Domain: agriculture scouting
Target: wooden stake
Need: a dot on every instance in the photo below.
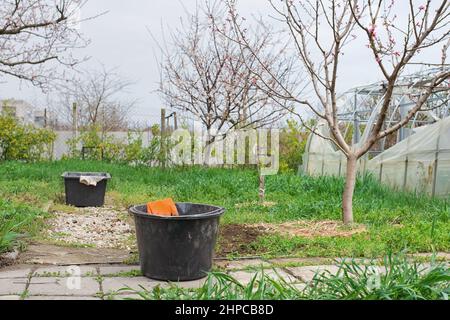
(45, 118)
(163, 138)
(175, 121)
(74, 119)
(262, 188)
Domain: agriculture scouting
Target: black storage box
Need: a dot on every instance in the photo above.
(81, 195)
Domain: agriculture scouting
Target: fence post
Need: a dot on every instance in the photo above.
(381, 169)
(340, 165)
(175, 121)
(45, 118)
(405, 178)
(74, 119)
(262, 188)
(163, 138)
(436, 160)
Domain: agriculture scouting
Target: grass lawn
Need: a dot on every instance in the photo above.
(394, 220)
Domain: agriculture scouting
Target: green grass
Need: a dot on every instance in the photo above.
(16, 222)
(398, 279)
(394, 220)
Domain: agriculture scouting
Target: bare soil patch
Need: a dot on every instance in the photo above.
(238, 239)
(312, 229)
(8, 258)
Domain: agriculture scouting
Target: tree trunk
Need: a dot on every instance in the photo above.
(347, 197)
(210, 139)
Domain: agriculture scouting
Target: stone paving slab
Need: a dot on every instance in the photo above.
(300, 261)
(190, 284)
(15, 273)
(306, 274)
(14, 286)
(241, 264)
(125, 296)
(57, 255)
(117, 269)
(59, 287)
(48, 282)
(65, 271)
(113, 284)
(245, 277)
(300, 286)
(62, 298)
(4, 298)
(440, 255)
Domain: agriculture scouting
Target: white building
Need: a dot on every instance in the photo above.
(23, 111)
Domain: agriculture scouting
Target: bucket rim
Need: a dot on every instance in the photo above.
(77, 174)
(217, 212)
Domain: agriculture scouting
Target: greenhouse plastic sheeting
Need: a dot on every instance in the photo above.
(420, 163)
(322, 158)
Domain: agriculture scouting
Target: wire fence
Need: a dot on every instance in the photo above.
(61, 146)
(68, 128)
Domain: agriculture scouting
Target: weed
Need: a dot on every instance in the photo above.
(399, 279)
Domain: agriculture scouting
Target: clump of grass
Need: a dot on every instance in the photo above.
(125, 274)
(16, 222)
(400, 280)
(221, 286)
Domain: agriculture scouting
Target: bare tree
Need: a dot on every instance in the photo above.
(204, 73)
(36, 36)
(320, 29)
(95, 94)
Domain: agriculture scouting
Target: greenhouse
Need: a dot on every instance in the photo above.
(415, 158)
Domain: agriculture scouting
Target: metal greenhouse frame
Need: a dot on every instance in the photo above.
(415, 158)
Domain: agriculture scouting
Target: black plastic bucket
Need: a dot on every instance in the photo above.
(177, 248)
(81, 195)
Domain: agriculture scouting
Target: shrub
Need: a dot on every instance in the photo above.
(24, 142)
(293, 140)
(106, 147)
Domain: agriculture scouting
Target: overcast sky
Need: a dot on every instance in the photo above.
(120, 39)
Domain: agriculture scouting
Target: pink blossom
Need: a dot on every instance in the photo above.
(378, 59)
(422, 7)
(396, 53)
(372, 30)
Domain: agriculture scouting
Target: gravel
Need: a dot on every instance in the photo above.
(104, 227)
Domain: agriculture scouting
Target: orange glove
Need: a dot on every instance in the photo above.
(165, 208)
